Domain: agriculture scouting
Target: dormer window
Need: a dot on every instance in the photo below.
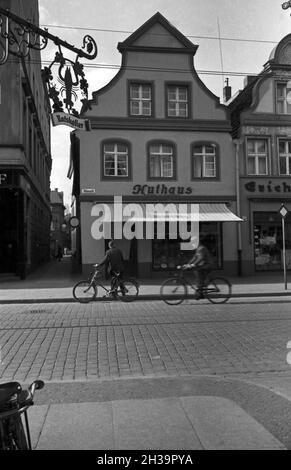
(283, 98)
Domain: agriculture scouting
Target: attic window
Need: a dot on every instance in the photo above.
(177, 101)
(283, 97)
(140, 99)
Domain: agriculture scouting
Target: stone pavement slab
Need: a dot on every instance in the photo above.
(178, 423)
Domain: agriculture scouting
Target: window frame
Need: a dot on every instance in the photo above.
(268, 166)
(176, 84)
(102, 160)
(288, 156)
(284, 101)
(174, 161)
(152, 101)
(217, 161)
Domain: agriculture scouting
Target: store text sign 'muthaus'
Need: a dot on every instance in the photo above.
(269, 187)
(160, 190)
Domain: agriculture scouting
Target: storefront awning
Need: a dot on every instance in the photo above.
(211, 212)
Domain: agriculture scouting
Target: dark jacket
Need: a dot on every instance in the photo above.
(201, 258)
(113, 259)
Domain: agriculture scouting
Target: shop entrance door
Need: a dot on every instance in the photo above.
(8, 231)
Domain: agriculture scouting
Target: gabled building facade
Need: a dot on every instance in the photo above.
(158, 136)
(261, 121)
(58, 233)
(25, 159)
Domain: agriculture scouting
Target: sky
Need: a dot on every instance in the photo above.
(235, 38)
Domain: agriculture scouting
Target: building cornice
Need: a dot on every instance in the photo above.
(152, 124)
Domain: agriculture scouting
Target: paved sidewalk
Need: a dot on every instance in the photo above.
(54, 283)
(180, 423)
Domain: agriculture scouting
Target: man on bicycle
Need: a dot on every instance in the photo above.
(113, 259)
(201, 263)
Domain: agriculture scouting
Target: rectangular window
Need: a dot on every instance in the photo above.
(268, 241)
(257, 157)
(204, 161)
(140, 99)
(177, 101)
(167, 253)
(161, 163)
(283, 98)
(115, 159)
(285, 157)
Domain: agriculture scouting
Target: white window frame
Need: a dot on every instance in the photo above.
(161, 156)
(283, 99)
(256, 156)
(177, 101)
(286, 155)
(115, 153)
(203, 157)
(141, 100)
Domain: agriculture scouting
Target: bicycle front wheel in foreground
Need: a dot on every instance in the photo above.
(173, 291)
(84, 291)
(129, 291)
(218, 290)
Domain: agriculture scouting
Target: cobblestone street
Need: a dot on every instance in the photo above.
(59, 342)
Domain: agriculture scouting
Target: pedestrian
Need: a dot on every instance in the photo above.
(114, 261)
(59, 253)
(202, 264)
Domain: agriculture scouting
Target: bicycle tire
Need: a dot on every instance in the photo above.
(131, 290)
(19, 436)
(218, 290)
(84, 291)
(173, 291)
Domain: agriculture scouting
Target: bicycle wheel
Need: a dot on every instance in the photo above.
(19, 436)
(84, 291)
(218, 290)
(129, 291)
(173, 291)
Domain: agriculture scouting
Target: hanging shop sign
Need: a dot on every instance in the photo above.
(66, 119)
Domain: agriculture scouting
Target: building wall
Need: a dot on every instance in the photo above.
(25, 152)
(145, 61)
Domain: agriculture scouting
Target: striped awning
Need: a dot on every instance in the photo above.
(208, 212)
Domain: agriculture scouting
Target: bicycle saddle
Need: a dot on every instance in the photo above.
(7, 390)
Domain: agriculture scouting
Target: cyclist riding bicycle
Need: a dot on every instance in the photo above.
(201, 263)
(114, 261)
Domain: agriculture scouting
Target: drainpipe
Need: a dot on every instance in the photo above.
(237, 143)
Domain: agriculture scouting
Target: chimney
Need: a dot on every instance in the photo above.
(226, 91)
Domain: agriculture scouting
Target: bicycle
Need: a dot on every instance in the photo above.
(14, 402)
(175, 289)
(125, 290)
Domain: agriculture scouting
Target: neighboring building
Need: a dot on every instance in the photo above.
(58, 232)
(261, 120)
(25, 158)
(158, 135)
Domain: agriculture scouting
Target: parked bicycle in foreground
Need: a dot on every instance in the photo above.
(176, 289)
(126, 289)
(14, 403)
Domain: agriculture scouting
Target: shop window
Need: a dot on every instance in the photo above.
(257, 156)
(285, 157)
(167, 253)
(161, 161)
(116, 160)
(177, 101)
(204, 161)
(268, 247)
(283, 93)
(140, 99)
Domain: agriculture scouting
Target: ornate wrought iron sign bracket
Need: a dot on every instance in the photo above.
(18, 36)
